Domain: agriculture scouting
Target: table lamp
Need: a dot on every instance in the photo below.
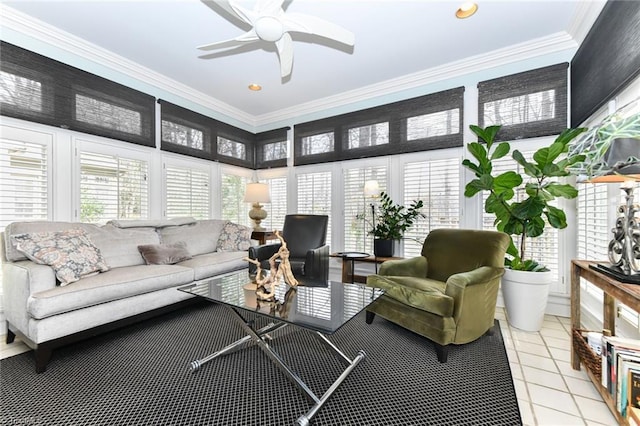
(257, 193)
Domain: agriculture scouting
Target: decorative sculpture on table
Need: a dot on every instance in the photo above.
(266, 285)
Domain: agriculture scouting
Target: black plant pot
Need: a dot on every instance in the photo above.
(383, 248)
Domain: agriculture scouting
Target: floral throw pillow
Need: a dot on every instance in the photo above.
(70, 253)
(234, 237)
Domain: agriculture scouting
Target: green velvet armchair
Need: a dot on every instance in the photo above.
(448, 294)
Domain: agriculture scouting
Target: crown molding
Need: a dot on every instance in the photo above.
(585, 16)
(50, 35)
(43, 32)
(545, 45)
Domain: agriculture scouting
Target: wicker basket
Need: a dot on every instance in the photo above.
(587, 356)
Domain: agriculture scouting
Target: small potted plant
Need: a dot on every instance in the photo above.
(391, 220)
(525, 285)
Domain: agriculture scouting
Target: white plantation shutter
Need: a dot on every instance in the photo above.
(112, 187)
(277, 208)
(314, 195)
(233, 206)
(187, 193)
(544, 248)
(594, 229)
(24, 174)
(356, 232)
(437, 184)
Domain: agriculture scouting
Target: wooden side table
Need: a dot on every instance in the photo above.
(263, 236)
(348, 264)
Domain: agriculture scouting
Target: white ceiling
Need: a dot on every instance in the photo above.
(397, 40)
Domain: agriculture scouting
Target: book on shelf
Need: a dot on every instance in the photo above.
(621, 372)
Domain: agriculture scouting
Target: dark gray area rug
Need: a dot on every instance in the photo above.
(139, 375)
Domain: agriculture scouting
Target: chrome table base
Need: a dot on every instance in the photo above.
(261, 338)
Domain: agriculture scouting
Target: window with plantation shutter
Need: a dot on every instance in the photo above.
(187, 193)
(356, 231)
(24, 180)
(232, 193)
(277, 208)
(544, 248)
(112, 187)
(593, 227)
(314, 195)
(437, 184)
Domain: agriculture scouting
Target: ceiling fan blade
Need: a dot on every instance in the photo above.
(232, 8)
(285, 53)
(298, 22)
(247, 37)
(269, 7)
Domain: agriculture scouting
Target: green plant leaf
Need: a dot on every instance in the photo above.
(530, 169)
(471, 166)
(556, 217)
(528, 209)
(506, 181)
(501, 150)
(562, 190)
(535, 227)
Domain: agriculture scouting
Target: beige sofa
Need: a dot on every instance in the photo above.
(47, 313)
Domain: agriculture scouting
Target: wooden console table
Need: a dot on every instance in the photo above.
(348, 264)
(629, 294)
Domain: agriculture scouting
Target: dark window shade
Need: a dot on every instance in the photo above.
(396, 115)
(180, 127)
(37, 88)
(238, 136)
(276, 141)
(607, 60)
(528, 104)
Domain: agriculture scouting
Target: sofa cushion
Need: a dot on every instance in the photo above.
(234, 237)
(115, 284)
(201, 237)
(120, 246)
(164, 254)
(12, 254)
(212, 264)
(70, 253)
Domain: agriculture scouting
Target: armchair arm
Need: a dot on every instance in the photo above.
(480, 275)
(475, 293)
(429, 299)
(316, 265)
(261, 253)
(412, 267)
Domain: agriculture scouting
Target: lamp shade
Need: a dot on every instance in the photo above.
(257, 193)
(371, 189)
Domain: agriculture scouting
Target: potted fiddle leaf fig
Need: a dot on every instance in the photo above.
(522, 206)
(391, 221)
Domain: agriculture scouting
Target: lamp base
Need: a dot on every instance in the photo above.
(617, 273)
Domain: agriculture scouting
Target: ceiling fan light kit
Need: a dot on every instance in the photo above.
(466, 10)
(270, 23)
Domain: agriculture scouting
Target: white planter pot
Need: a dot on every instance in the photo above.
(525, 297)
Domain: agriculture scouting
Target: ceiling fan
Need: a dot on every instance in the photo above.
(270, 23)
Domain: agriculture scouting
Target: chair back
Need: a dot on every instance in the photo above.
(450, 251)
(304, 232)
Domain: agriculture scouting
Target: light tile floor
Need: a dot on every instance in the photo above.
(549, 391)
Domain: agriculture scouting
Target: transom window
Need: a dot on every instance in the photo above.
(318, 144)
(180, 134)
(230, 148)
(275, 151)
(20, 91)
(371, 135)
(435, 124)
(521, 109)
(104, 114)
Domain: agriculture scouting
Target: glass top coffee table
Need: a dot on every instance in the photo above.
(320, 307)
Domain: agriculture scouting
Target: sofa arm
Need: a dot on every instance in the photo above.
(19, 281)
(412, 267)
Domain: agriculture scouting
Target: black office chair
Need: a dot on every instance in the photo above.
(306, 237)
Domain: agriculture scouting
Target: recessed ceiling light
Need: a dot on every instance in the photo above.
(467, 9)
(255, 87)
